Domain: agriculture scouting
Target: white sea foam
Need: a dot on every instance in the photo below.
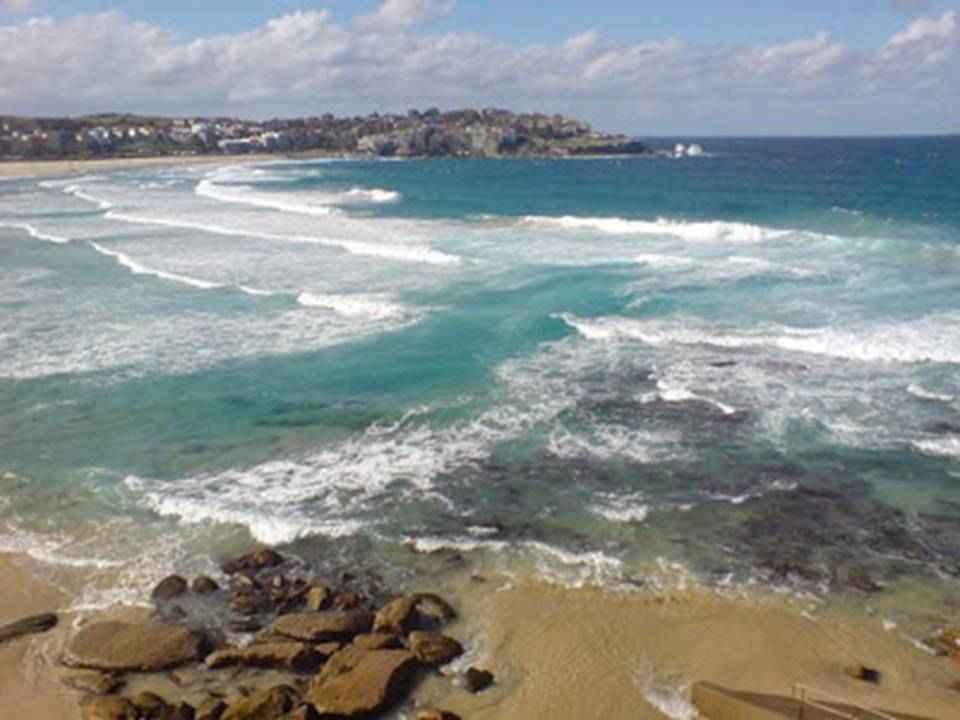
(79, 192)
(35, 233)
(371, 195)
(688, 230)
(934, 338)
(139, 269)
(246, 195)
(630, 508)
(939, 447)
(375, 307)
(921, 392)
(400, 252)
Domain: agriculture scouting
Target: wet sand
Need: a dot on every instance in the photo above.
(28, 690)
(599, 654)
(36, 168)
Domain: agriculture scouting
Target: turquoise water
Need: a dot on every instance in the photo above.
(742, 364)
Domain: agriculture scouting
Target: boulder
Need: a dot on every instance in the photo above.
(433, 606)
(210, 709)
(108, 708)
(268, 705)
(119, 647)
(358, 682)
(476, 680)
(93, 682)
(257, 560)
(347, 600)
(169, 588)
(317, 596)
(292, 656)
(204, 585)
(28, 626)
(863, 674)
(251, 604)
(397, 616)
(322, 626)
(405, 613)
(432, 648)
(376, 641)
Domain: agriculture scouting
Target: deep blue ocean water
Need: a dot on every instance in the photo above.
(744, 364)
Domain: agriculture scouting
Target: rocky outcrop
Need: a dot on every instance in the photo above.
(108, 708)
(322, 626)
(357, 682)
(291, 656)
(116, 646)
(169, 588)
(475, 680)
(253, 561)
(269, 705)
(432, 648)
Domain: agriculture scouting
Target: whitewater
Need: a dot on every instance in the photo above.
(570, 366)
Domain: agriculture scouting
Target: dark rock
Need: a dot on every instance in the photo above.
(28, 626)
(293, 656)
(204, 585)
(94, 683)
(317, 596)
(169, 588)
(108, 708)
(347, 600)
(253, 561)
(150, 706)
(859, 579)
(304, 712)
(944, 428)
(432, 648)
(322, 626)
(251, 604)
(116, 646)
(241, 582)
(863, 673)
(476, 680)
(210, 709)
(358, 682)
(269, 705)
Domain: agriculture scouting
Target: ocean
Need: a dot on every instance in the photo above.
(736, 369)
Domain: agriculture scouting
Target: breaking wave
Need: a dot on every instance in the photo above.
(35, 233)
(687, 230)
(139, 269)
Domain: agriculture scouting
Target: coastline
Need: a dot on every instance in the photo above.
(568, 652)
(41, 168)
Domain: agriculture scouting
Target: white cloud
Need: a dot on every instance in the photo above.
(305, 62)
(406, 13)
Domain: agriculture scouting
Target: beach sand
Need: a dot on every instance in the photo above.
(35, 168)
(564, 653)
(28, 690)
(588, 653)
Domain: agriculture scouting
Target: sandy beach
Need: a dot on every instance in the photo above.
(37, 168)
(579, 653)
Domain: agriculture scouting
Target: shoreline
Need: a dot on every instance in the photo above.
(25, 169)
(564, 652)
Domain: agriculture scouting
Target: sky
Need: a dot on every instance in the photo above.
(645, 67)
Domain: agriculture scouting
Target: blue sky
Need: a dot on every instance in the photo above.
(641, 66)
